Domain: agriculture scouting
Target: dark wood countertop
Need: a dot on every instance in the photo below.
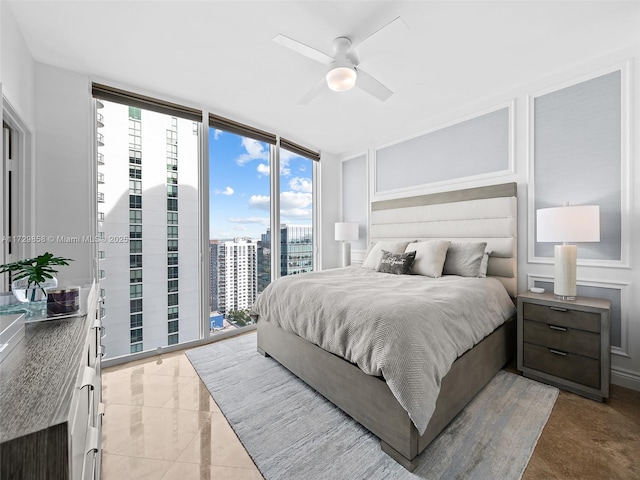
(37, 379)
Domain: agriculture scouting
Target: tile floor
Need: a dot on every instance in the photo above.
(161, 423)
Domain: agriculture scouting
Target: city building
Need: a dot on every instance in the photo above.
(296, 252)
(147, 228)
(234, 274)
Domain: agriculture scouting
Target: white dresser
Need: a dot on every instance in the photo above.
(50, 399)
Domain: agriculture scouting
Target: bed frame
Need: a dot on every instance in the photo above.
(477, 214)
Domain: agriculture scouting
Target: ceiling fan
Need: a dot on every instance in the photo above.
(343, 73)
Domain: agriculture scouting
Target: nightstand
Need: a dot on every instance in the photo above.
(565, 343)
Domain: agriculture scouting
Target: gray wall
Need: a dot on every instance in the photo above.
(355, 197)
(577, 157)
(65, 169)
(473, 147)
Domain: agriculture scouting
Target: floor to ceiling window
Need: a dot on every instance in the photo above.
(296, 213)
(148, 206)
(246, 251)
(150, 197)
(239, 219)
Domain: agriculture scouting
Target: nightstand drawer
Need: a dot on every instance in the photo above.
(582, 370)
(563, 317)
(562, 338)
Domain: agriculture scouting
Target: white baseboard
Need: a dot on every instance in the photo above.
(625, 378)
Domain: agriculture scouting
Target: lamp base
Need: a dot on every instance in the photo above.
(564, 284)
(346, 254)
(564, 297)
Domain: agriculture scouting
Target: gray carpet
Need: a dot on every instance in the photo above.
(293, 433)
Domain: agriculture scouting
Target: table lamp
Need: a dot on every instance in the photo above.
(567, 224)
(346, 232)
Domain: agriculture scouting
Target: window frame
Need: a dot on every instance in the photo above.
(201, 125)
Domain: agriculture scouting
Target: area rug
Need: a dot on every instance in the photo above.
(292, 432)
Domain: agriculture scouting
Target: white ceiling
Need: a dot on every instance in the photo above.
(219, 55)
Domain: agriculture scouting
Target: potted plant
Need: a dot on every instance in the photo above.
(31, 276)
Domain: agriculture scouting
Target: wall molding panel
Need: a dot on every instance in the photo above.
(472, 148)
(579, 151)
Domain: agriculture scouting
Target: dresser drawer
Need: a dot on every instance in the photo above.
(562, 338)
(563, 317)
(579, 369)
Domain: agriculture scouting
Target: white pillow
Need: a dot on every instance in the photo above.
(430, 257)
(374, 255)
(464, 259)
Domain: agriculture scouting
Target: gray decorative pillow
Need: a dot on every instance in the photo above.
(464, 259)
(372, 260)
(430, 256)
(396, 263)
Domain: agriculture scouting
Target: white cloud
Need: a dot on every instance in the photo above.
(263, 169)
(216, 133)
(260, 201)
(285, 171)
(254, 151)
(227, 191)
(300, 184)
(286, 155)
(297, 204)
(296, 213)
(244, 220)
(295, 200)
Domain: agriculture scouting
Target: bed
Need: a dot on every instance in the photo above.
(383, 400)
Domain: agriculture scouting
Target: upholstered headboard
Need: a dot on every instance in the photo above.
(483, 214)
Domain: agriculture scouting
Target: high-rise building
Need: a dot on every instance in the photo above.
(147, 228)
(234, 274)
(296, 252)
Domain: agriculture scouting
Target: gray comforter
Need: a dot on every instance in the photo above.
(408, 329)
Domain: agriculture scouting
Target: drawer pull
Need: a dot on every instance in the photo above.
(558, 309)
(88, 378)
(559, 329)
(100, 328)
(93, 440)
(558, 352)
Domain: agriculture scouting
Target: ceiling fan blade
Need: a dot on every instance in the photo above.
(395, 23)
(303, 49)
(370, 85)
(314, 92)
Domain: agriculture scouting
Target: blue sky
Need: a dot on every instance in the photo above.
(239, 187)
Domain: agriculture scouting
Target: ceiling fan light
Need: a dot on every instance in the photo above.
(341, 79)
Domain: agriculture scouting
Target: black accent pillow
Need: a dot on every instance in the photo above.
(396, 263)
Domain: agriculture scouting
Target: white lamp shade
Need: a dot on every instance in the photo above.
(341, 79)
(569, 224)
(346, 231)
